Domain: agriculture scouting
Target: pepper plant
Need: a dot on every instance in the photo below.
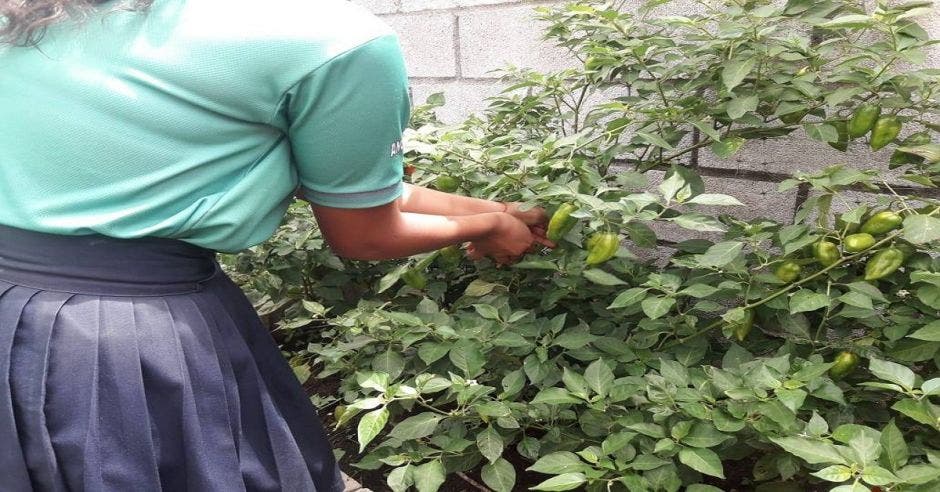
(754, 354)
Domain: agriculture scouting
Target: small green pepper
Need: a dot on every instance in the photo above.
(826, 252)
(858, 242)
(884, 263)
(882, 222)
(447, 184)
(886, 129)
(561, 222)
(788, 271)
(843, 364)
(602, 246)
(863, 120)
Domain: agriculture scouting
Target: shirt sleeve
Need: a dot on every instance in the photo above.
(346, 120)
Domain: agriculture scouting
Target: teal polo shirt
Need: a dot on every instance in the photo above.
(199, 119)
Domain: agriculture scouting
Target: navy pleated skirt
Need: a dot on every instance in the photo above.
(137, 365)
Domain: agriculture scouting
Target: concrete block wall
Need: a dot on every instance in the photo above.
(454, 46)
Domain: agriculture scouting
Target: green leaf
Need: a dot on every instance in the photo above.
(698, 222)
(490, 444)
(700, 487)
(929, 295)
(674, 372)
(856, 299)
(565, 481)
(851, 21)
(721, 254)
(429, 477)
(921, 229)
(401, 478)
(892, 371)
(628, 297)
(557, 463)
(430, 352)
(812, 451)
(416, 427)
(917, 410)
(555, 396)
(735, 71)
(704, 435)
(370, 426)
(389, 362)
(702, 460)
(657, 307)
(468, 357)
(911, 350)
(601, 277)
(822, 132)
(806, 300)
(698, 291)
(817, 425)
(930, 332)
(599, 377)
(654, 140)
(919, 474)
(931, 387)
(574, 339)
(728, 147)
(715, 199)
(487, 311)
(876, 475)
(641, 234)
(834, 473)
(740, 106)
(893, 446)
(499, 476)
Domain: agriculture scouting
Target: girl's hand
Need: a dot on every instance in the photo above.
(508, 242)
(533, 217)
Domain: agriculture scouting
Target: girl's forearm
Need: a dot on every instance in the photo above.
(413, 233)
(420, 200)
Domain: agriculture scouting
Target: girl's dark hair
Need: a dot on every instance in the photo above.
(23, 22)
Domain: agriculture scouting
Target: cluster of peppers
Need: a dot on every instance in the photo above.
(601, 246)
(826, 253)
(880, 265)
(883, 128)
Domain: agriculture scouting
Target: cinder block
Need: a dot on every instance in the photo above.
(414, 5)
(351, 485)
(491, 39)
(379, 6)
(791, 154)
(462, 97)
(760, 198)
(428, 43)
(931, 23)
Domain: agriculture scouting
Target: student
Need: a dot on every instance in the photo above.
(139, 138)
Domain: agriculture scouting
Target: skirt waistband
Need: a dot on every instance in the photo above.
(101, 265)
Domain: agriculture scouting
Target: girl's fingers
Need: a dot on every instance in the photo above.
(544, 242)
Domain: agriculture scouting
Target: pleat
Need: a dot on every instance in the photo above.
(203, 374)
(12, 461)
(72, 393)
(293, 427)
(28, 375)
(258, 456)
(169, 398)
(126, 443)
